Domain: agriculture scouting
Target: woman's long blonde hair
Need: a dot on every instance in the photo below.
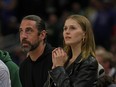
(88, 44)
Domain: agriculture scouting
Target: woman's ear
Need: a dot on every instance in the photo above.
(84, 35)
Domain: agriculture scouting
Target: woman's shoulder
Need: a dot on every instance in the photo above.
(91, 60)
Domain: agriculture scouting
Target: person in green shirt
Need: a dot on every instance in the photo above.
(13, 68)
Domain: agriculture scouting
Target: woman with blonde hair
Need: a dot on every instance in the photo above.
(75, 65)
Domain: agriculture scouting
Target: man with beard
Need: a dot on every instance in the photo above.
(34, 69)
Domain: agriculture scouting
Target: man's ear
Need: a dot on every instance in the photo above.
(43, 34)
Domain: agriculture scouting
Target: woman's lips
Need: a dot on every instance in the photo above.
(67, 37)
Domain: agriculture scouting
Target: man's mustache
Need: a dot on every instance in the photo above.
(25, 41)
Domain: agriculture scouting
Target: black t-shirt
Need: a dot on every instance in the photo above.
(34, 73)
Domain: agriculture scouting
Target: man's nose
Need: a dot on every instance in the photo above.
(23, 35)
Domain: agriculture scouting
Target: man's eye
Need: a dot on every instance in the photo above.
(29, 31)
(20, 30)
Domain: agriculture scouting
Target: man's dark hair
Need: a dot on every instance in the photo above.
(40, 24)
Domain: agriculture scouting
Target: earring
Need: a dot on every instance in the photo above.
(83, 39)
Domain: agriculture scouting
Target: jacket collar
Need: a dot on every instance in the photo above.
(78, 59)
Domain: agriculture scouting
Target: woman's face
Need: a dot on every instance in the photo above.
(73, 33)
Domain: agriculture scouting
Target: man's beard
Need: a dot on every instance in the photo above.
(30, 47)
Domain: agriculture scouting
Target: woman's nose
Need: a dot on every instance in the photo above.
(67, 31)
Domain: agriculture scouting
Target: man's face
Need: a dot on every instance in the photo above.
(29, 37)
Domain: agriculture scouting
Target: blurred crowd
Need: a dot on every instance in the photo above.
(101, 13)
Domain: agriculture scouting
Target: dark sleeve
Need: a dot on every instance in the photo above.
(85, 76)
(21, 74)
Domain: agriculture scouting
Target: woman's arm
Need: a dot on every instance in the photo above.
(85, 76)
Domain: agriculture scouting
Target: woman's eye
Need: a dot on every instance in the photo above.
(72, 28)
(64, 28)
